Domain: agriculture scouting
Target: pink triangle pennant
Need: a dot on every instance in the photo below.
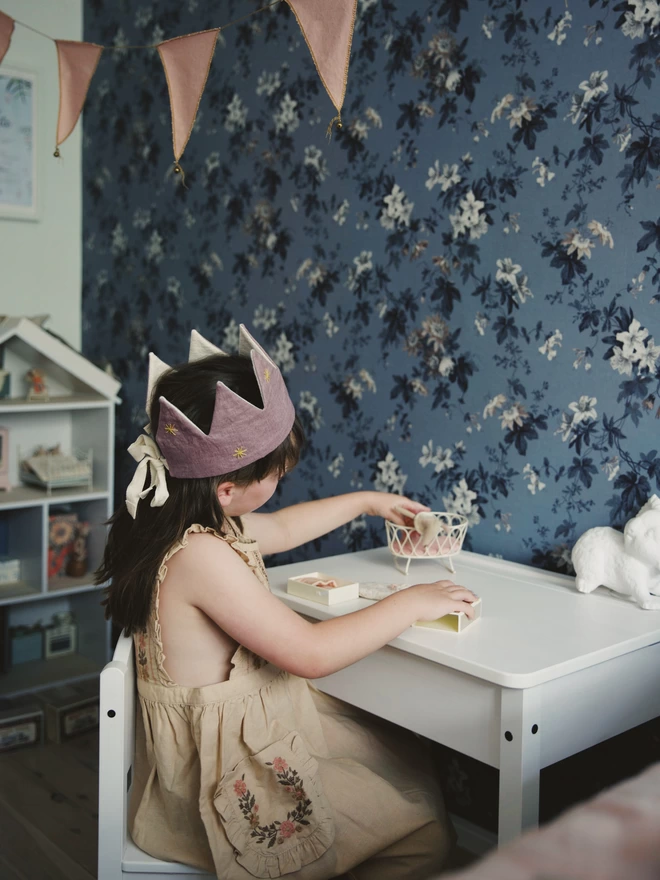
(6, 30)
(327, 26)
(77, 63)
(186, 61)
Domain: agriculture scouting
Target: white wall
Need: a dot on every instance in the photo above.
(41, 261)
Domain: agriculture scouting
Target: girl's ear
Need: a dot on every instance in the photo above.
(225, 493)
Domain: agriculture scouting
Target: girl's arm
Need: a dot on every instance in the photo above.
(295, 525)
(220, 584)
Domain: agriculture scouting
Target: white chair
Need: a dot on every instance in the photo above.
(119, 858)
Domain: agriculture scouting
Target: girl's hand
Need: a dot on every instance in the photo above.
(431, 601)
(383, 503)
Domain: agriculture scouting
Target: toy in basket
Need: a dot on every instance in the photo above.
(434, 534)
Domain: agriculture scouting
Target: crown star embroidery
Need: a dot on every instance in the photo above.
(267, 375)
(171, 429)
(240, 452)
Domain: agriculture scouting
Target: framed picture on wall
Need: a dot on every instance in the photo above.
(18, 144)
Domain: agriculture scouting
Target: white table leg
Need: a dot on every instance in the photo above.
(520, 754)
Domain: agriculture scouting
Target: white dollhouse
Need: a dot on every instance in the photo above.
(75, 416)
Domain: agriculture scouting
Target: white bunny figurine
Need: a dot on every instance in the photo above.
(627, 563)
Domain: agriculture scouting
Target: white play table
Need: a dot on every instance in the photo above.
(546, 672)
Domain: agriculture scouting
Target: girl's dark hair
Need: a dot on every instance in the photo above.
(135, 548)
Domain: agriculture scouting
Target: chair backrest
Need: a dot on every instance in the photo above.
(116, 748)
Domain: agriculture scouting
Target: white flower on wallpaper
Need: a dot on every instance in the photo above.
(493, 405)
(502, 105)
(551, 344)
(331, 328)
(341, 213)
(470, 219)
(154, 249)
(282, 354)
(264, 318)
(581, 411)
(481, 322)
(644, 13)
(594, 86)
(534, 482)
(511, 273)
(543, 172)
(119, 240)
(231, 336)
(397, 209)
(268, 83)
(521, 113)
(637, 350)
(336, 465)
(462, 502)
(445, 179)
(286, 119)
(441, 459)
(513, 417)
(559, 32)
(314, 159)
(577, 243)
(236, 114)
(389, 477)
(309, 404)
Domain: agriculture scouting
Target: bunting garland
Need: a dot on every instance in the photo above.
(326, 25)
(328, 32)
(6, 30)
(186, 61)
(77, 63)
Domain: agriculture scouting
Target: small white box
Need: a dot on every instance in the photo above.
(343, 592)
(10, 570)
(455, 621)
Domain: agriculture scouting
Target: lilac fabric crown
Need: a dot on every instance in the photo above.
(241, 433)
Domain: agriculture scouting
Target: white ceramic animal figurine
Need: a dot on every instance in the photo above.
(627, 563)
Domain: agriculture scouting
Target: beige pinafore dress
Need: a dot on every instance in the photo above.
(262, 775)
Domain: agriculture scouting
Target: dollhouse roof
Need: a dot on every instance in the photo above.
(59, 353)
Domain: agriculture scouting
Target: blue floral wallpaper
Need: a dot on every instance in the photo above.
(461, 287)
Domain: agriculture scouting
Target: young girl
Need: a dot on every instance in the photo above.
(242, 767)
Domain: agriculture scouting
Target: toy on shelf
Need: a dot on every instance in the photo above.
(77, 565)
(4, 460)
(61, 533)
(627, 563)
(52, 469)
(38, 389)
(433, 535)
(10, 570)
(60, 636)
(5, 384)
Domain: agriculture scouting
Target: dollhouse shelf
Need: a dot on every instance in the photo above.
(44, 673)
(31, 496)
(78, 415)
(67, 402)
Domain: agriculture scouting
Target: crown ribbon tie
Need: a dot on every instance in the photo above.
(150, 461)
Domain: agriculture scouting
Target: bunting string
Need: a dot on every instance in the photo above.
(326, 25)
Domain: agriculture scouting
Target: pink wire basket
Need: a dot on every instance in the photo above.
(406, 543)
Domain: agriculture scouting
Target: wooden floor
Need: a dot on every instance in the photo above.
(48, 812)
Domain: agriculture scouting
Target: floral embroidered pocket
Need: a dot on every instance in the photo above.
(274, 811)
